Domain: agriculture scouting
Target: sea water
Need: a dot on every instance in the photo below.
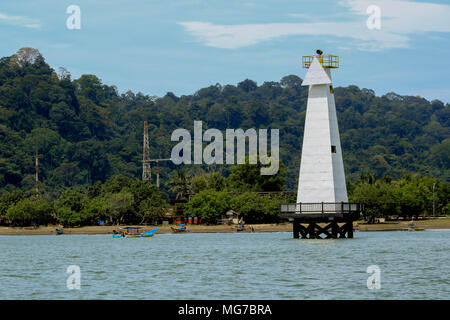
(412, 265)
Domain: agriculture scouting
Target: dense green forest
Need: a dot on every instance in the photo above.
(86, 132)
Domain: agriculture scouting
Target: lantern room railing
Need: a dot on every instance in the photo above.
(326, 60)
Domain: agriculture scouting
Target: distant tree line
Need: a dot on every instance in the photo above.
(256, 198)
(120, 200)
(87, 135)
(410, 196)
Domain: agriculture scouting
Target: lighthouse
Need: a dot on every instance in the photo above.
(321, 176)
(322, 208)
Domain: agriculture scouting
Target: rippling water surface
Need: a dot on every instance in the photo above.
(414, 265)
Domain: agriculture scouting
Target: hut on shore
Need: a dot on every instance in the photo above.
(230, 217)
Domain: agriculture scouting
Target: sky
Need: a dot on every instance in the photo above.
(154, 47)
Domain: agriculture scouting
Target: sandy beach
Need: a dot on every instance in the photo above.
(438, 223)
(45, 230)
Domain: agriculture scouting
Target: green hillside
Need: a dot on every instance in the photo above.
(86, 131)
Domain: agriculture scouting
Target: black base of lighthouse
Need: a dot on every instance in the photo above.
(313, 230)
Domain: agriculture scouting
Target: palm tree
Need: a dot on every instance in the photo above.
(181, 184)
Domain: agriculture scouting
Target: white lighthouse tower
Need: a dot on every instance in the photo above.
(321, 177)
(322, 207)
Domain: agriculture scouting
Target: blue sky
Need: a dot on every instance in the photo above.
(181, 46)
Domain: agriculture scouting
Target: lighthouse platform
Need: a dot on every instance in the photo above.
(322, 220)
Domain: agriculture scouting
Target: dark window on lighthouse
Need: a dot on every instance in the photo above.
(333, 149)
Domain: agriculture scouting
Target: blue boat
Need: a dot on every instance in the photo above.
(182, 228)
(134, 232)
(148, 233)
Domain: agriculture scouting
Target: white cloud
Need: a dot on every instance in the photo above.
(236, 36)
(20, 21)
(344, 48)
(399, 21)
(406, 16)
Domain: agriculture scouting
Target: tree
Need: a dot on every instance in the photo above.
(255, 208)
(26, 56)
(208, 204)
(440, 157)
(91, 87)
(119, 206)
(63, 74)
(149, 204)
(116, 183)
(27, 211)
(291, 81)
(214, 181)
(8, 199)
(68, 217)
(248, 177)
(70, 207)
(152, 208)
(247, 85)
(180, 184)
(380, 199)
(95, 210)
(21, 212)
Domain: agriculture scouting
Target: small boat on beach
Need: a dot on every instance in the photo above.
(134, 232)
(412, 227)
(59, 231)
(182, 228)
(241, 225)
(148, 233)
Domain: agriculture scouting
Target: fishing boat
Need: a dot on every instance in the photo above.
(241, 227)
(182, 228)
(118, 235)
(134, 232)
(148, 233)
(412, 226)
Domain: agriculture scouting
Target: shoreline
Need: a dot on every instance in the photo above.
(435, 223)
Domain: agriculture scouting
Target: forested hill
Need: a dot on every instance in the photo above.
(86, 131)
